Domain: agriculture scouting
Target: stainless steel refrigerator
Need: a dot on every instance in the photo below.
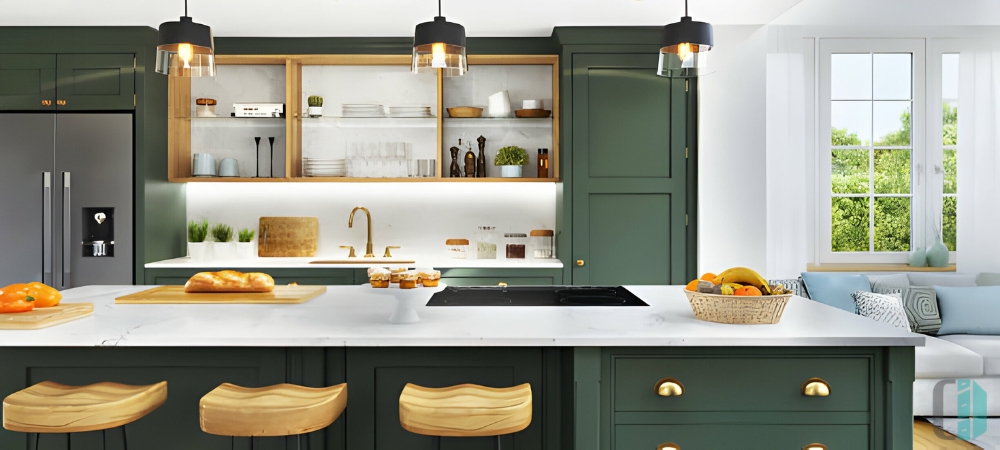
(66, 199)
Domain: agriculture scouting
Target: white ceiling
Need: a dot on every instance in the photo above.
(385, 17)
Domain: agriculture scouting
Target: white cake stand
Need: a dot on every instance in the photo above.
(407, 300)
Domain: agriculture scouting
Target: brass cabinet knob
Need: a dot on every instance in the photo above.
(669, 387)
(579, 262)
(46, 102)
(815, 446)
(387, 248)
(668, 446)
(816, 387)
(502, 284)
(351, 255)
(61, 102)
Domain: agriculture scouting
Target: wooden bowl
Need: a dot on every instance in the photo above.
(465, 112)
(532, 113)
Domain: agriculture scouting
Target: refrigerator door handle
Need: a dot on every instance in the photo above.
(67, 232)
(47, 228)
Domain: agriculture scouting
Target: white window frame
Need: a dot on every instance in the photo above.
(936, 49)
(917, 47)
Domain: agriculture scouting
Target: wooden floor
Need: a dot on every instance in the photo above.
(924, 438)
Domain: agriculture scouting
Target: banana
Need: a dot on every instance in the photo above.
(744, 276)
(726, 289)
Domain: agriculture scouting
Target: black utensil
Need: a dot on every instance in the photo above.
(270, 160)
(256, 155)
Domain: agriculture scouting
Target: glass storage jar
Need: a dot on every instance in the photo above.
(515, 245)
(458, 248)
(544, 243)
(486, 243)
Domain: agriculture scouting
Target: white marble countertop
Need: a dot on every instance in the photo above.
(353, 316)
(303, 263)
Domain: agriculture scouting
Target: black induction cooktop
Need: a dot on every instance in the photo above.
(535, 296)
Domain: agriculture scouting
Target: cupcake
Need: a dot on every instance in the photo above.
(396, 274)
(408, 280)
(378, 277)
(429, 277)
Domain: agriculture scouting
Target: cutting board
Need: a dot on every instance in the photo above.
(45, 317)
(176, 294)
(288, 236)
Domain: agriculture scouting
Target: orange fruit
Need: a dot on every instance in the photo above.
(709, 276)
(748, 291)
(692, 286)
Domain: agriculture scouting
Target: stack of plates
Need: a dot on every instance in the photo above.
(362, 110)
(410, 111)
(315, 167)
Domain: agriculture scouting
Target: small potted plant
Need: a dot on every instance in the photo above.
(245, 248)
(315, 106)
(198, 249)
(224, 247)
(511, 160)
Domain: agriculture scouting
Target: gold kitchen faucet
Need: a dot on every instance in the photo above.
(350, 224)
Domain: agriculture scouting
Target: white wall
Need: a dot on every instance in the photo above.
(731, 152)
(881, 13)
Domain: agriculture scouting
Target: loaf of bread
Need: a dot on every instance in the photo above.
(229, 281)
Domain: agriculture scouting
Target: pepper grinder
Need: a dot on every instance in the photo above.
(481, 166)
(470, 161)
(270, 159)
(256, 155)
(456, 172)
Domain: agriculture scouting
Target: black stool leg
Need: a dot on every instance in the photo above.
(37, 436)
(251, 442)
(104, 439)
(437, 442)
(69, 441)
(498, 442)
(124, 437)
(232, 443)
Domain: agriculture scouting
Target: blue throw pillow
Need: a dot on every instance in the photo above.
(835, 289)
(969, 310)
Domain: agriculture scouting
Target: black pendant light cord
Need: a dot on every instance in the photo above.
(186, 7)
(439, 7)
(685, 6)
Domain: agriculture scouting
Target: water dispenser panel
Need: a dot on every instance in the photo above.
(98, 232)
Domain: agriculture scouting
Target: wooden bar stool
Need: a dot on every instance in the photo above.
(49, 407)
(278, 410)
(465, 410)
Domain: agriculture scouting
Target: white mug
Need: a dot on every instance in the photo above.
(533, 104)
(204, 165)
(499, 105)
(229, 167)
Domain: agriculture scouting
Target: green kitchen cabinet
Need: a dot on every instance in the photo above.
(315, 277)
(95, 82)
(345, 277)
(493, 277)
(27, 82)
(743, 437)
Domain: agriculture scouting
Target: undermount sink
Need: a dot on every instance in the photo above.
(363, 261)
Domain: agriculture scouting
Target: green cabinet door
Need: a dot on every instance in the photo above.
(27, 82)
(95, 82)
(629, 172)
(743, 437)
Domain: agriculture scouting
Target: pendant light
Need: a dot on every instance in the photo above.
(186, 48)
(683, 48)
(439, 45)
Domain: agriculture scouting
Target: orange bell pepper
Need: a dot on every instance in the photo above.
(15, 298)
(44, 296)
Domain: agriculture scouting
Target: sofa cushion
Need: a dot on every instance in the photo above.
(835, 289)
(988, 279)
(986, 346)
(921, 307)
(882, 308)
(941, 279)
(969, 310)
(939, 358)
(889, 284)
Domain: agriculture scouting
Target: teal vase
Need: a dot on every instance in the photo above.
(937, 255)
(918, 258)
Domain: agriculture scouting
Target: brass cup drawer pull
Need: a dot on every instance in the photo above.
(668, 446)
(815, 446)
(816, 387)
(669, 387)
(61, 102)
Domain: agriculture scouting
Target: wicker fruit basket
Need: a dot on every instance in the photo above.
(734, 309)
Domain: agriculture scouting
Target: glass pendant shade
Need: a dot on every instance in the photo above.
(683, 49)
(186, 49)
(440, 45)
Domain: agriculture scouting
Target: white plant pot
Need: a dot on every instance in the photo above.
(224, 251)
(315, 111)
(246, 250)
(200, 251)
(511, 171)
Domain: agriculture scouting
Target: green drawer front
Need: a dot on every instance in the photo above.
(741, 384)
(742, 437)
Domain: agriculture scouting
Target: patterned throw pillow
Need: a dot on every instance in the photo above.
(795, 284)
(882, 308)
(921, 305)
(889, 284)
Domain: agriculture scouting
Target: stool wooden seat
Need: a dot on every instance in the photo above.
(465, 410)
(278, 410)
(49, 407)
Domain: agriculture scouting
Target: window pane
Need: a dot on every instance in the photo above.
(950, 171)
(892, 171)
(949, 76)
(949, 123)
(949, 226)
(850, 76)
(893, 76)
(851, 122)
(892, 123)
(850, 224)
(892, 224)
(850, 171)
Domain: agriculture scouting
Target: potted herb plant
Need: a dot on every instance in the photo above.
(198, 249)
(315, 105)
(224, 247)
(511, 160)
(245, 248)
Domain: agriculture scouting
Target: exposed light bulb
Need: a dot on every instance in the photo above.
(438, 56)
(184, 51)
(683, 50)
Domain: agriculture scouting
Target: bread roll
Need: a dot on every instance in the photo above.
(229, 281)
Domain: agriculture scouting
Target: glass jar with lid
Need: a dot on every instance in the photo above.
(516, 245)
(486, 243)
(544, 243)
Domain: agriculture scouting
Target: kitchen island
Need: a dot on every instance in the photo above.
(592, 369)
